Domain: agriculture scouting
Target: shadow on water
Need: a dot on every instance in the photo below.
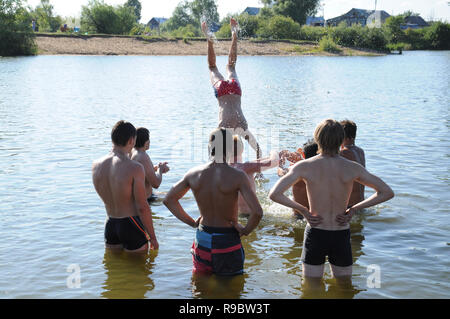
(217, 287)
(127, 275)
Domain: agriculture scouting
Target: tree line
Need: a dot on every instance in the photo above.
(279, 19)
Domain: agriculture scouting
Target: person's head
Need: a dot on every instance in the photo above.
(123, 134)
(310, 149)
(329, 136)
(142, 138)
(349, 129)
(220, 145)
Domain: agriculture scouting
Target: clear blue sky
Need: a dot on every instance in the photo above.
(435, 9)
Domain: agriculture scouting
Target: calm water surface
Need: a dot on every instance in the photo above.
(56, 114)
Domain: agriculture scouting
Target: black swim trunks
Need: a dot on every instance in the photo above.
(128, 232)
(335, 244)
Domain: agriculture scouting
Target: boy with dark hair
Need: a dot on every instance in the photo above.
(153, 174)
(299, 193)
(353, 153)
(119, 182)
(217, 246)
(329, 180)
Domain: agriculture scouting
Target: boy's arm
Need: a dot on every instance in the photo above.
(152, 175)
(142, 206)
(261, 164)
(277, 193)
(383, 193)
(172, 202)
(250, 198)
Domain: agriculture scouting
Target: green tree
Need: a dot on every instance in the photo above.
(393, 28)
(204, 10)
(298, 10)
(16, 37)
(137, 8)
(438, 36)
(181, 17)
(99, 17)
(248, 25)
(279, 27)
(45, 18)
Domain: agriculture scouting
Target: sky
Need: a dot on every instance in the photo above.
(428, 9)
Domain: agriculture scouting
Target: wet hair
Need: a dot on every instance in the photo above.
(329, 136)
(142, 136)
(310, 149)
(349, 128)
(122, 132)
(221, 145)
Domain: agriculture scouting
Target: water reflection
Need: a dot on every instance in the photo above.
(218, 287)
(313, 288)
(127, 275)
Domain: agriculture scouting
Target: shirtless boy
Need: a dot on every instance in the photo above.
(153, 175)
(299, 189)
(354, 153)
(217, 246)
(329, 180)
(120, 183)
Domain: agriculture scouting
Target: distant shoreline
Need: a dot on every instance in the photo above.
(62, 44)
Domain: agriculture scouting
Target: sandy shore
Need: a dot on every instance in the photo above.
(105, 45)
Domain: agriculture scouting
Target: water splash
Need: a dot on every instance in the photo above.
(236, 29)
(209, 34)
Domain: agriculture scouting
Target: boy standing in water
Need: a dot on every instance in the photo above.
(120, 183)
(329, 180)
(299, 189)
(216, 186)
(228, 92)
(354, 153)
(153, 175)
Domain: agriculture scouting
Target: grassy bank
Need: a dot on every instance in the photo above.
(103, 44)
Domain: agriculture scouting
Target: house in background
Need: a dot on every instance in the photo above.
(355, 16)
(414, 22)
(155, 23)
(315, 21)
(253, 11)
(377, 18)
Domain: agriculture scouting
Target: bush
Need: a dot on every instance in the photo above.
(358, 36)
(99, 17)
(188, 31)
(416, 39)
(279, 27)
(438, 36)
(393, 30)
(344, 35)
(376, 39)
(16, 37)
(312, 33)
(327, 44)
(396, 46)
(248, 25)
(224, 31)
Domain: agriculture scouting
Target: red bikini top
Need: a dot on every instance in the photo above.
(228, 87)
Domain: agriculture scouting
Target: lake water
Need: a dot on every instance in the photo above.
(56, 114)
